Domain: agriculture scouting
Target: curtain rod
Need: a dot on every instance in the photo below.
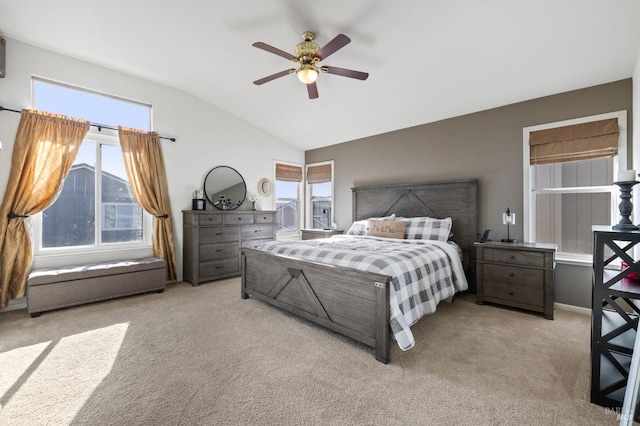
(99, 126)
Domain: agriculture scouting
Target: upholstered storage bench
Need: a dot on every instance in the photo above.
(49, 289)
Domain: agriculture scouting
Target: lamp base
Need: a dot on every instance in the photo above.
(506, 240)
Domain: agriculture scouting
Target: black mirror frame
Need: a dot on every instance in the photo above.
(227, 206)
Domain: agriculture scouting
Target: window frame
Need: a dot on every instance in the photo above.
(529, 199)
(308, 209)
(60, 256)
(301, 206)
(61, 253)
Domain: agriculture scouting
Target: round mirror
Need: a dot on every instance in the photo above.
(224, 187)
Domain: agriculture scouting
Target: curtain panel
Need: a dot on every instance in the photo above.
(319, 174)
(288, 173)
(145, 169)
(586, 141)
(44, 150)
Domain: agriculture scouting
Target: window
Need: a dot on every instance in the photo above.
(287, 195)
(568, 183)
(95, 209)
(320, 195)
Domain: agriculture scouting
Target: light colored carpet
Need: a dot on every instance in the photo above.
(203, 356)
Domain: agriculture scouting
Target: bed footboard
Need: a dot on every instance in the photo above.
(350, 302)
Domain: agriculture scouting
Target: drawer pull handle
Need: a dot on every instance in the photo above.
(511, 274)
(239, 218)
(512, 257)
(210, 219)
(219, 267)
(219, 250)
(510, 292)
(264, 217)
(258, 230)
(220, 233)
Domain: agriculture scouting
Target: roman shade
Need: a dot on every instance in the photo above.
(319, 174)
(288, 173)
(585, 141)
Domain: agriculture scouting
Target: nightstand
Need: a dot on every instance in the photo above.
(520, 275)
(314, 234)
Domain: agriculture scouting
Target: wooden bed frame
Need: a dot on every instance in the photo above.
(352, 302)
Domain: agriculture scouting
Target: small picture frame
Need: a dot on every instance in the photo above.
(198, 204)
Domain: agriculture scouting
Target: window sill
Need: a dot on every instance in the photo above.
(564, 259)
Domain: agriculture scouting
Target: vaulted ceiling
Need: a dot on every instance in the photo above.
(428, 60)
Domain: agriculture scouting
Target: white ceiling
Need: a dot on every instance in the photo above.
(428, 59)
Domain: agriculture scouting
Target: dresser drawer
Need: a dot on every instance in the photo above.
(215, 268)
(513, 293)
(238, 218)
(220, 234)
(516, 257)
(257, 231)
(255, 243)
(265, 217)
(218, 251)
(207, 219)
(513, 275)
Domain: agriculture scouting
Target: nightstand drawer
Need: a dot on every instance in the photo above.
(514, 275)
(255, 243)
(516, 257)
(513, 293)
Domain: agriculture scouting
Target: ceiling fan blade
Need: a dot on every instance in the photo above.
(333, 46)
(275, 50)
(273, 76)
(345, 72)
(312, 89)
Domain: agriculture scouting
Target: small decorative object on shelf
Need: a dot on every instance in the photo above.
(626, 184)
(508, 218)
(253, 200)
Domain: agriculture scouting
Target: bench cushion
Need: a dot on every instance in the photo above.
(82, 272)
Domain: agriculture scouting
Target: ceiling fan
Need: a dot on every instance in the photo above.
(307, 56)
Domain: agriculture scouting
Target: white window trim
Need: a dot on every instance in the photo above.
(300, 199)
(307, 201)
(60, 256)
(529, 205)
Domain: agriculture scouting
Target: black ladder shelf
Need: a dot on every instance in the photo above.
(615, 313)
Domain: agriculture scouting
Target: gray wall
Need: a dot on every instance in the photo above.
(487, 146)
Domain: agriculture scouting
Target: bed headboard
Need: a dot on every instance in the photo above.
(455, 199)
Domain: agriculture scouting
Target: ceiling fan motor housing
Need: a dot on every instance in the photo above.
(306, 50)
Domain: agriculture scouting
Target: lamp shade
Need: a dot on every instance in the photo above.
(307, 74)
(508, 218)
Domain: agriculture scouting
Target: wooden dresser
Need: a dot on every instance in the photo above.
(516, 274)
(212, 241)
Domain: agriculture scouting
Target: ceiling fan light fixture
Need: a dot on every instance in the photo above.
(307, 73)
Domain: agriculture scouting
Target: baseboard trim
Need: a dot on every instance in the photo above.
(573, 308)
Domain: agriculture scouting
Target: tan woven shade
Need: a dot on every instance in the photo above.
(288, 173)
(319, 174)
(586, 141)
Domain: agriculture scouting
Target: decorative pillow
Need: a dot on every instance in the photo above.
(427, 228)
(360, 227)
(385, 228)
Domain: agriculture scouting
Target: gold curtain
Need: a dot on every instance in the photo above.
(319, 174)
(45, 148)
(288, 173)
(586, 141)
(145, 169)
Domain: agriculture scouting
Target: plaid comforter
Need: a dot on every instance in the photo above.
(423, 272)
